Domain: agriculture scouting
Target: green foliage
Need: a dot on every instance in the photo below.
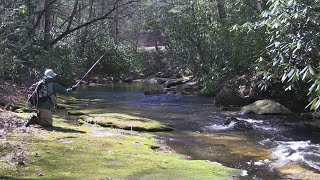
(60, 59)
(14, 42)
(211, 47)
(24, 57)
(292, 54)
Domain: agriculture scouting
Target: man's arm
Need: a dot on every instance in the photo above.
(60, 89)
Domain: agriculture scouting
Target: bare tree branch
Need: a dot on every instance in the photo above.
(36, 24)
(68, 19)
(72, 14)
(105, 16)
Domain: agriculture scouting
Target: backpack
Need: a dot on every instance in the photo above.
(38, 92)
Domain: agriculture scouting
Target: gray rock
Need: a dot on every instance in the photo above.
(264, 107)
(174, 82)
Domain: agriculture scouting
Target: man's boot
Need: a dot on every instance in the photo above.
(32, 120)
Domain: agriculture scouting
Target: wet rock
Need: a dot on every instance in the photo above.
(304, 126)
(306, 116)
(228, 97)
(316, 115)
(128, 79)
(173, 82)
(223, 108)
(190, 88)
(160, 80)
(172, 90)
(265, 107)
(238, 124)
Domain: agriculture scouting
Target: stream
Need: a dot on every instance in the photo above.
(199, 131)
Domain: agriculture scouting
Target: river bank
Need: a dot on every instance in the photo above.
(89, 151)
(190, 126)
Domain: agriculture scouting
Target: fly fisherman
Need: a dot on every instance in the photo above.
(47, 104)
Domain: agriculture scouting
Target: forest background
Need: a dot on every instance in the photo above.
(272, 46)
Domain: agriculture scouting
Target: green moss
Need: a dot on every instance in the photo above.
(118, 120)
(127, 122)
(24, 115)
(91, 152)
(6, 167)
(85, 112)
(65, 106)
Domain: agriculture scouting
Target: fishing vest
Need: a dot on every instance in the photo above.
(51, 93)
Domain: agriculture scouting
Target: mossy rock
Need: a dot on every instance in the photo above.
(126, 122)
(265, 107)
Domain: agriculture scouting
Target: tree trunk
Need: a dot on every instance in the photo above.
(47, 23)
(221, 11)
(116, 35)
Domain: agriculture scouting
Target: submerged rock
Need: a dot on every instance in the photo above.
(264, 107)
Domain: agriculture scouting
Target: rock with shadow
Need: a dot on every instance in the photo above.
(265, 106)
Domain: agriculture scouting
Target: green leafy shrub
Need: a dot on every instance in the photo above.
(292, 55)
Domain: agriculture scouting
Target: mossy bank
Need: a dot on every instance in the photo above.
(92, 152)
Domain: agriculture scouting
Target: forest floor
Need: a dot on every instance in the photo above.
(88, 151)
(12, 93)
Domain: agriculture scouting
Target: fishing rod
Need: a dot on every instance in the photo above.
(91, 68)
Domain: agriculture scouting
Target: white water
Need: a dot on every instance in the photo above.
(298, 152)
(260, 124)
(283, 152)
(256, 124)
(218, 127)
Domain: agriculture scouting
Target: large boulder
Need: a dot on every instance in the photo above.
(264, 107)
(228, 97)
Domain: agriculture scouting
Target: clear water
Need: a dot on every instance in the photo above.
(200, 133)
